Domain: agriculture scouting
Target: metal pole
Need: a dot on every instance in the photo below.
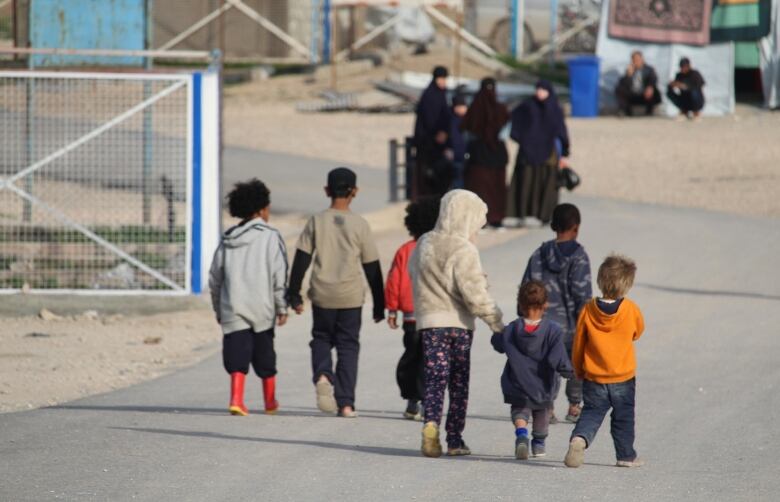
(553, 31)
(334, 47)
(315, 22)
(29, 143)
(393, 170)
(518, 28)
(456, 64)
(326, 32)
(147, 187)
(217, 61)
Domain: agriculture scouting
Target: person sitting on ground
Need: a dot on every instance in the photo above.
(420, 218)
(563, 267)
(431, 130)
(450, 290)
(248, 280)
(685, 91)
(639, 86)
(342, 247)
(603, 357)
(535, 355)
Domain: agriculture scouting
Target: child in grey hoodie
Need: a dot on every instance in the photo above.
(248, 285)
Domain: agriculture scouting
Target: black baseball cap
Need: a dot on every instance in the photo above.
(342, 178)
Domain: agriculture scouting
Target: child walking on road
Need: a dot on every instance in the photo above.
(535, 355)
(450, 289)
(420, 218)
(247, 282)
(340, 244)
(603, 356)
(563, 266)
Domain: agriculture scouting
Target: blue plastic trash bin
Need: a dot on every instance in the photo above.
(584, 86)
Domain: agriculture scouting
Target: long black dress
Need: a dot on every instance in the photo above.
(539, 128)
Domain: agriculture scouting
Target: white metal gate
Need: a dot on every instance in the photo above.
(95, 181)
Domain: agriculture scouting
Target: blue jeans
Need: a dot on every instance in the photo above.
(599, 398)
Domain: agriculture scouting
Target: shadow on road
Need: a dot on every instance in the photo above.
(708, 292)
(377, 450)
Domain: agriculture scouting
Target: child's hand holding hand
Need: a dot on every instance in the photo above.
(281, 319)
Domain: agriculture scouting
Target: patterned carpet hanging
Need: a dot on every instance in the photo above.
(661, 21)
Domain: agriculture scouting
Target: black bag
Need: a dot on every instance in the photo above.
(568, 178)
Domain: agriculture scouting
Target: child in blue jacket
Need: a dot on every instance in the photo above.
(535, 355)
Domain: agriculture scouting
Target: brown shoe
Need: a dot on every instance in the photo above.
(431, 446)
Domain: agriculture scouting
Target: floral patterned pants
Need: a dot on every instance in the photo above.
(447, 354)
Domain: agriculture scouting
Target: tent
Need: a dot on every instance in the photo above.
(714, 61)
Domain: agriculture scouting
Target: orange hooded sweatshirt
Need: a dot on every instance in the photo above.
(603, 349)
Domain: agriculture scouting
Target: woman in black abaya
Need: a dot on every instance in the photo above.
(538, 127)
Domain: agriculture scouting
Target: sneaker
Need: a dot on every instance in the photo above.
(553, 419)
(574, 413)
(413, 411)
(431, 447)
(458, 451)
(521, 448)
(325, 400)
(348, 413)
(537, 448)
(637, 462)
(576, 454)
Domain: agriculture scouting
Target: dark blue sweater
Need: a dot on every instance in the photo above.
(564, 268)
(533, 359)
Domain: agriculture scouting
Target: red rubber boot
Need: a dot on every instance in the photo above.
(237, 395)
(269, 393)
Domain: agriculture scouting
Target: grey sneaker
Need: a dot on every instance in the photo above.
(576, 454)
(325, 400)
(537, 448)
(574, 414)
(637, 462)
(413, 411)
(459, 451)
(521, 448)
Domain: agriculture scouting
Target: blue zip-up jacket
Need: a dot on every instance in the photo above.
(564, 268)
(533, 359)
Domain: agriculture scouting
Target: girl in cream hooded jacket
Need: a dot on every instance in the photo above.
(450, 291)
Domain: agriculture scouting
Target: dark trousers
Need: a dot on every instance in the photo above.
(339, 329)
(541, 422)
(626, 98)
(599, 398)
(687, 101)
(409, 373)
(447, 365)
(239, 348)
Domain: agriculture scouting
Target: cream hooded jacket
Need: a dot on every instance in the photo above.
(450, 288)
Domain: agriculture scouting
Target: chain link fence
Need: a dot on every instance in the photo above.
(93, 181)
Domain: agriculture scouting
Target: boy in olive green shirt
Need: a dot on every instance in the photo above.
(340, 244)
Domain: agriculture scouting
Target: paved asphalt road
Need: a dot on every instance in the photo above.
(707, 399)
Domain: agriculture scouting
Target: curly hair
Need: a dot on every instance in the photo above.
(248, 198)
(421, 216)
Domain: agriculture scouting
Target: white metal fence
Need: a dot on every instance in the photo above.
(95, 181)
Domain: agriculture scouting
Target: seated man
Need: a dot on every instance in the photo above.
(686, 90)
(638, 86)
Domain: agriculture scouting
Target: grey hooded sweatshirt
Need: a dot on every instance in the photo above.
(248, 278)
(449, 285)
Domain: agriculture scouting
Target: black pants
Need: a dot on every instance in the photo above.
(409, 373)
(339, 329)
(239, 348)
(626, 98)
(686, 101)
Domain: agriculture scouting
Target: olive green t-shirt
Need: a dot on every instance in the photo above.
(340, 242)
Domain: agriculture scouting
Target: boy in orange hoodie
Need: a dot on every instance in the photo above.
(420, 218)
(603, 357)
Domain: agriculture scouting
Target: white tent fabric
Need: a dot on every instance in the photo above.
(715, 62)
(770, 60)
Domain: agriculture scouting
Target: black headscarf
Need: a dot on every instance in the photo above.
(486, 116)
(537, 124)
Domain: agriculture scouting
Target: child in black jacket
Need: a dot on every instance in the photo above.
(535, 353)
